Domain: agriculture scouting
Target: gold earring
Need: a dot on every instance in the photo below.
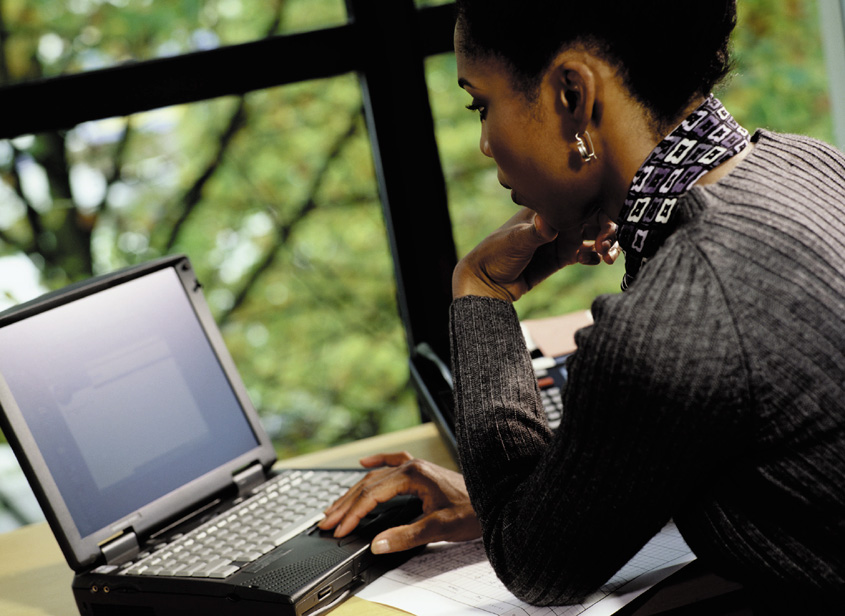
(585, 147)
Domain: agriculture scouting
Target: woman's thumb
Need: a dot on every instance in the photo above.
(545, 232)
(523, 242)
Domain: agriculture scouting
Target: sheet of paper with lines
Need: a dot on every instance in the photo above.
(455, 579)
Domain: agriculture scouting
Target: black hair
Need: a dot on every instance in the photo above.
(667, 52)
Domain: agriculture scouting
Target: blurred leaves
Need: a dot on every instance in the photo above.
(273, 194)
(780, 80)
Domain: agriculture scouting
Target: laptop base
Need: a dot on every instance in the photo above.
(330, 569)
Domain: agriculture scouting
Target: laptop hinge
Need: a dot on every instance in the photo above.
(249, 478)
(121, 549)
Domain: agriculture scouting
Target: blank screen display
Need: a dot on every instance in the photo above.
(124, 396)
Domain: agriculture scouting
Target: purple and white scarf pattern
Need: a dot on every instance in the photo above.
(702, 142)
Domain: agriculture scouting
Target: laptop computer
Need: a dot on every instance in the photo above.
(136, 433)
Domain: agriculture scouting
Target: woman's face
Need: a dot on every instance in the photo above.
(532, 142)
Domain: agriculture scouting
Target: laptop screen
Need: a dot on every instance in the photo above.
(124, 396)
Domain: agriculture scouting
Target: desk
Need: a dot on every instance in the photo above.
(35, 579)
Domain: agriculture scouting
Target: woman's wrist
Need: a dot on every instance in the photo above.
(466, 281)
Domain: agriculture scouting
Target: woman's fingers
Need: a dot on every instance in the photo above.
(386, 459)
(362, 498)
(599, 241)
(375, 461)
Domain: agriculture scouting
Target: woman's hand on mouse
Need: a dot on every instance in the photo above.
(526, 250)
(447, 512)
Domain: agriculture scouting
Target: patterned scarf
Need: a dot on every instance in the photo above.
(706, 139)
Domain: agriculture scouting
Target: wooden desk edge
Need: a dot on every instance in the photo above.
(422, 441)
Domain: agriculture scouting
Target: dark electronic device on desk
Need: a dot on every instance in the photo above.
(136, 433)
(551, 379)
(433, 380)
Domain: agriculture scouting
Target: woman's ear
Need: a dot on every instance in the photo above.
(577, 87)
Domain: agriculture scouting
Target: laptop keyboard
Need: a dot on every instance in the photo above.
(280, 509)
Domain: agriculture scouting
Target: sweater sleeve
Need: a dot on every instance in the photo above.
(652, 410)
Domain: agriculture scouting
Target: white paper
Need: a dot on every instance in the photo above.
(455, 579)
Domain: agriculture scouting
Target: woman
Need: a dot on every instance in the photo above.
(712, 391)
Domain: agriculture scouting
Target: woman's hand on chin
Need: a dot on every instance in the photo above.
(526, 250)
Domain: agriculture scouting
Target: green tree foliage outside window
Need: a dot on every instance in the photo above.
(273, 195)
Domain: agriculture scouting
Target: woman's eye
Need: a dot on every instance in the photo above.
(481, 109)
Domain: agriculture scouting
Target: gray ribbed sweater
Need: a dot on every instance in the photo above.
(713, 392)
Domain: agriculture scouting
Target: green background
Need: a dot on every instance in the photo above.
(273, 195)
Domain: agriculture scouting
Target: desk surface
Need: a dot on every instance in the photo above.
(35, 579)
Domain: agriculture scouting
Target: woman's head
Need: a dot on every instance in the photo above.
(666, 52)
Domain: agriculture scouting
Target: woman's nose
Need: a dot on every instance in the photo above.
(484, 143)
